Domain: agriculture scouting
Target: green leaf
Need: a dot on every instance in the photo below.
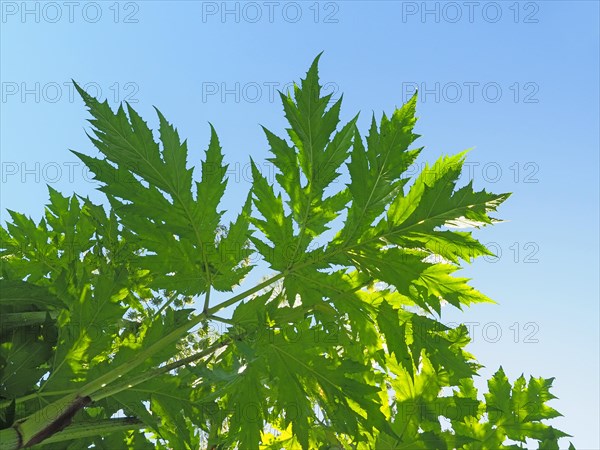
(432, 201)
(342, 346)
(376, 172)
(17, 293)
(395, 336)
(275, 224)
(22, 363)
(517, 410)
(154, 199)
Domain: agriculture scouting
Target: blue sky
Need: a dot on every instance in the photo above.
(518, 81)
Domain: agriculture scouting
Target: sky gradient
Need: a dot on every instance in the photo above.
(517, 81)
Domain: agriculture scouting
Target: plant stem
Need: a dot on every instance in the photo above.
(51, 419)
(5, 403)
(119, 387)
(95, 428)
(164, 306)
(243, 295)
(206, 300)
(222, 320)
(173, 336)
(45, 422)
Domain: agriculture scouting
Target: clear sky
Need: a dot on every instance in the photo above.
(516, 80)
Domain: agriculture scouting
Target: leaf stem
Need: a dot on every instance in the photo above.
(243, 295)
(164, 306)
(31, 428)
(6, 402)
(206, 300)
(81, 430)
(115, 389)
(222, 319)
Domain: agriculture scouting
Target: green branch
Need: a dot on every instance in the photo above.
(236, 298)
(88, 429)
(56, 416)
(119, 387)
